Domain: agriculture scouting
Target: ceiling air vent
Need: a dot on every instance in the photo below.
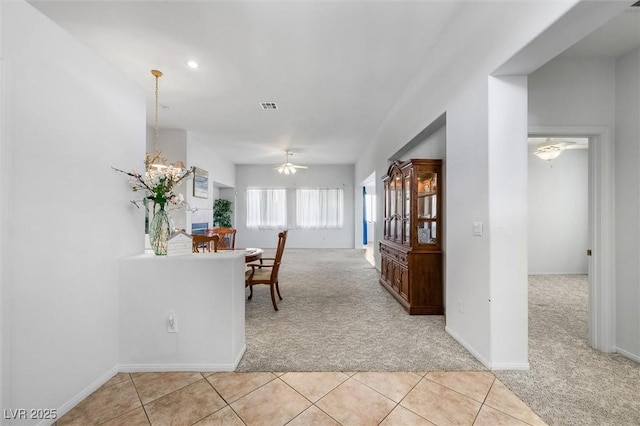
(268, 105)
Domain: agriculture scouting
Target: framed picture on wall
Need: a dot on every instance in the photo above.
(200, 183)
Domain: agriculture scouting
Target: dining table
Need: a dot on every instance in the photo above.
(253, 254)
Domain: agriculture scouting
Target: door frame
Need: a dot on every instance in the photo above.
(601, 216)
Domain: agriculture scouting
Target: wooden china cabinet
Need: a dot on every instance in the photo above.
(411, 251)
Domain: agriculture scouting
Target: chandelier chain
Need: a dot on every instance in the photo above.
(157, 75)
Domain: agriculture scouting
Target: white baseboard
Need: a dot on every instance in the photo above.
(510, 366)
(629, 355)
(483, 361)
(94, 386)
(165, 368)
(143, 368)
(468, 347)
(558, 273)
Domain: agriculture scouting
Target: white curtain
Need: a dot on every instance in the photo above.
(319, 208)
(266, 208)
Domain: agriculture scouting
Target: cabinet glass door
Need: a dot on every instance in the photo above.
(395, 204)
(427, 206)
(406, 222)
(427, 232)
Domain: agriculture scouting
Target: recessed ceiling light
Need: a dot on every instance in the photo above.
(193, 64)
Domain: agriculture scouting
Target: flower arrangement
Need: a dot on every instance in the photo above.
(158, 184)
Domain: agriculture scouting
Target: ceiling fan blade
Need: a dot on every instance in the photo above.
(299, 167)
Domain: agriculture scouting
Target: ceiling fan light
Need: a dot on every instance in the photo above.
(288, 168)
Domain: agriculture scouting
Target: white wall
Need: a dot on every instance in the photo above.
(4, 223)
(507, 227)
(221, 170)
(557, 225)
(433, 146)
(627, 158)
(316, 176)
(69, 119)
(572, 91)
(221, 174)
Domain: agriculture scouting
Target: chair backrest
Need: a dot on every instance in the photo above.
(282, 239)
(227, 238)
(204, 242)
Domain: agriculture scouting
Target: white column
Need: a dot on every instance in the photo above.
(508, 222)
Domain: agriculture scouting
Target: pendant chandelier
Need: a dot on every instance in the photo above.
(157, 160)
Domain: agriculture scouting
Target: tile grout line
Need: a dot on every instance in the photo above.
(217, 393)
(313, 404)
(401, 399)
(228, 404)
(144, 406)
(424, 377)
(144, 410)
(499, 410)
(482, 404)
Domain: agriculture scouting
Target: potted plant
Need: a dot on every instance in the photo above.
(222, 213)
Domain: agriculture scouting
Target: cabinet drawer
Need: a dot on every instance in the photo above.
(394, 254)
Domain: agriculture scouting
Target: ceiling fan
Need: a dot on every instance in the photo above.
(288, 168)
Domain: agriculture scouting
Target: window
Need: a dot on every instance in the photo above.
(266, 208)
(319, 208)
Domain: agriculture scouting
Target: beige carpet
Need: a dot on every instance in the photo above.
(335, 316)
(570, 383)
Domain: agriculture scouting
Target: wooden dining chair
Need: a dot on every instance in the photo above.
(266, 272)
(204, 243)
(227, 239)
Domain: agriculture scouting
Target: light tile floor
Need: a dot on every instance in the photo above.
(323, 398)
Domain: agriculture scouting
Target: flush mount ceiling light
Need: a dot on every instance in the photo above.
(548, 152)
(287, 167)
(193, 64)
(550, 149)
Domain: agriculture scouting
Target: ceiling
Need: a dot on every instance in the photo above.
(334, 69)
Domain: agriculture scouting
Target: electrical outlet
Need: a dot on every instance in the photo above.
(172, 323)
(477, 229)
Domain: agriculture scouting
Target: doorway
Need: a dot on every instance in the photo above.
(600, 228)
(558, 206)
(369, 217)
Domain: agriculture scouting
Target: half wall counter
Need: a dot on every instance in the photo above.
(182, 313)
